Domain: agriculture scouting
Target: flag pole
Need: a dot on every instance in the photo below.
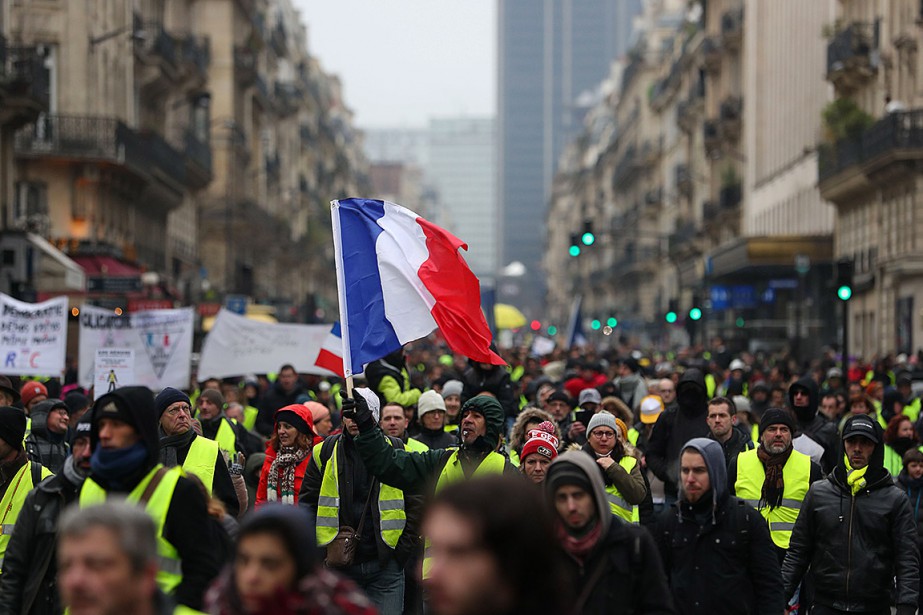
(341, 295)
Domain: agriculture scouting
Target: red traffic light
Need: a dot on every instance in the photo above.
(535, 325)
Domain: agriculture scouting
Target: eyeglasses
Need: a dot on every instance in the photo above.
(603, 435)
(173, 411)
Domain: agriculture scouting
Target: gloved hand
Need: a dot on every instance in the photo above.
(357, 409)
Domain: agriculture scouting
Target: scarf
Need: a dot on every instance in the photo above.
(8, 469)
(578, 547)
(210, 426)
(902, 445)
(774, 484)
(281, 480)
(115, 465)
(170, 445)
(855, 478)
(72, 473)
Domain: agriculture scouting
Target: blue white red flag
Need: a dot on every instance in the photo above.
(398, 278)
(330, 355)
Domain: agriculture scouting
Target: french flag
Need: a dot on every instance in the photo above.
(398, 278)
(330, 355)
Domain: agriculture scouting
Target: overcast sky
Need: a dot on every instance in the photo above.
(405, 61)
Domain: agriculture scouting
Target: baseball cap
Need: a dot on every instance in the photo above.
(861, 425)
(651, 407)
(589, 396)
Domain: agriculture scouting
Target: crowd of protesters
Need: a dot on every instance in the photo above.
(579, 482)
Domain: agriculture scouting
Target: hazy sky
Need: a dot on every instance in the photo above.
(405, 61)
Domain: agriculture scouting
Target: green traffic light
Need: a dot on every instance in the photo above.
(695, 314)
(588, 239)
(612, 321)
(595, 325)
(552, 330)
(574, 251)
(670, 317)
(740, 321)
(844, 293)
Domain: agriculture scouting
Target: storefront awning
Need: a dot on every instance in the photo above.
(56, 271)
(752, 255)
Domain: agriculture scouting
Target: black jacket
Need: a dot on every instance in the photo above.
(437, 438)
(495, 380)
(914, 491)
(354, 484)
(222, 487)
(855, 545)
(28, 585)
(271, 401)
(717, 552)
(676, 427)
(735, 445)
(43, 446)
(815, 426)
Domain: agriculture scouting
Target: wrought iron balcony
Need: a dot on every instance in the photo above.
(850, 55)
(711, 132)
(682, 237)
(245, 66)
(278, 41)
(161, 43)
(732, 26)
(195, 53)
(683, 179)
(287, 97)
(730, 114)
(711, 54)
(198, 161)
(24, 85)
(729, 197)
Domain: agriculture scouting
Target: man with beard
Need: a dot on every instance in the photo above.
(774, 478)
(30, 573)
(676, 427)
(733, 441)
(856, 533)
(803, 398)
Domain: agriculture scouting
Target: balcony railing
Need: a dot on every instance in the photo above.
(682, 178)
(277, 40)
(849, 53)
(161, 43)
(711, 53)
(198, 152)
(711, 132)
(287, 97)
(147, 153)
(196, 53)
(732, 25)
(245, 65)
(730, 196)
(23, 75)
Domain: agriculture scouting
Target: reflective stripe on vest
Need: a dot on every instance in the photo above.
(617, 504)
(390, 505)
(170, 572)
(749, 486)
(452, 472)
(12, 502)
(201, 459)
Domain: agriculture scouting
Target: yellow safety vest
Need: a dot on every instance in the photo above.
(415, 446)
(13, 500)
(514, 458)
(250, 414)
(390, 504)
(201, 459)
(633, 435)
(452, 472)
(749, 487)
(226, 438)
(617, 504)
(170, 572)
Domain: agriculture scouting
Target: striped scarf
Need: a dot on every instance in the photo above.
(280, 485)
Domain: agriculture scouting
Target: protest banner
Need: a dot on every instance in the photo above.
(161, 341)
(33, 337)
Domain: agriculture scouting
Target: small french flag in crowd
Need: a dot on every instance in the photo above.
(330, 355)
(398, 278)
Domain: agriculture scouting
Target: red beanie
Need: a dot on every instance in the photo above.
(542, 441)
(30, 390)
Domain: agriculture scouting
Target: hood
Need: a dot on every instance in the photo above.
(493, 415)
(529, 415)
(891, 397)
(713, 454)
(136, 406)
(805, 415)
(578, 461)
(302, 412)
(691, 392)
(876, 462)
(39, 415)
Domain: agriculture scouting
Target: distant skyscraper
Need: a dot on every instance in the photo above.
(462, 154)
(550, 52)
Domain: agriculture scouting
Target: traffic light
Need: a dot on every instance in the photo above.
(574, 249)
(844, 274)
(588, 237)
(552, 330)
(612, 322)
(695, 312)
(535, 325)
(595, 324)
(671, 316)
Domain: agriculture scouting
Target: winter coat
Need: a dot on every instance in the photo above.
(43, 446)
(674, 428)
(272, 400)
(735, 445)
(914, 491)
(300, 471)
(496, 380)
(437, 438)
(632, 389)
(815, 426)
(630, 484)
(29, 581)
(855, 544)
(389, 378)
(222, 485)
(717, 552)
(630, 579)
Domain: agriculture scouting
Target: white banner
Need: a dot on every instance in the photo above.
(114, 368)
(33, 337)
(161, 341)
(237, 346)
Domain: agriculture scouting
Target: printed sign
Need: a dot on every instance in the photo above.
(113, 368)
(33, 337)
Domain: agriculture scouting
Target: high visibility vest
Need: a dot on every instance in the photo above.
(452, 472)
(514, 458)
(755, 433)
(415, 446)
(893, 462)
(749, 487)
(710, 385)
(185, 610)
(250, 414)
(226, 438)
(12, 502)
(170, 572)
(390, 504)
(617, 504)
(633, 435)
(912, 410)
(201, 459)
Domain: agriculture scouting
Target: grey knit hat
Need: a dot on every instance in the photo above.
(602, 419)
(452, 387)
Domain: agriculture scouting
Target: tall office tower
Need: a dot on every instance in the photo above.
(552, 56)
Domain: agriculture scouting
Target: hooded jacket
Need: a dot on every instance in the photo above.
(43, 446)
(856, 544)
(188, 526)
(528, 415)
(814, 425)
(677, 426)
(631, 578)
(495, 380)
(417, 473)
(717, 552)
(271, 454)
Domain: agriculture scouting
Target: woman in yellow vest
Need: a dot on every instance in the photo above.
(287, 455)
(625, 487)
